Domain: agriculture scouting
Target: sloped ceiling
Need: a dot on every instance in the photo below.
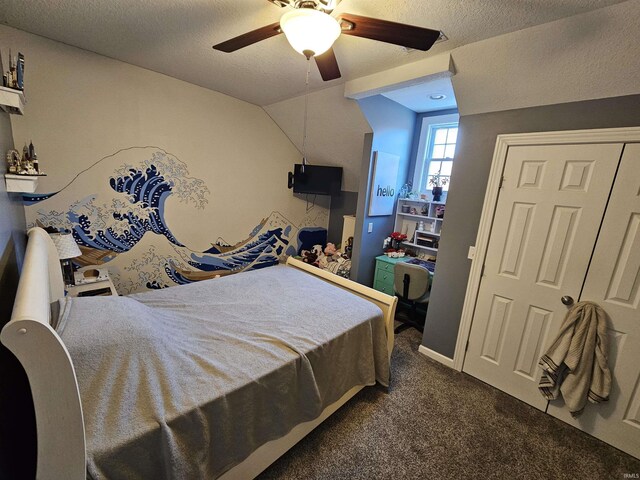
(174, 37)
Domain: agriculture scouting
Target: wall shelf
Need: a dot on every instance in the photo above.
(424, 217)
(21, 183)
(422, 247)
(426, 239)
(420, 200)
(431, 234)
(12, 100)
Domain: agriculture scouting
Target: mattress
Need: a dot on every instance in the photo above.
(187, 381)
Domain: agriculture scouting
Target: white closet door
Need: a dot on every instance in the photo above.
(546, 223)
(613, 281)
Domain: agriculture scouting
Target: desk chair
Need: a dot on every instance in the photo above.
(412, 284)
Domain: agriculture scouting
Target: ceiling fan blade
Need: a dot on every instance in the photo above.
(328, 6)
(401, 34)
(281, 3)
(249, 38)
(328, 65)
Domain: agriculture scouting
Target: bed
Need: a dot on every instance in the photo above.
(150, 395)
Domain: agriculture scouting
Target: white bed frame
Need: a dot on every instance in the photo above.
(56, 398)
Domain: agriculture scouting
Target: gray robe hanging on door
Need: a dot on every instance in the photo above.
(576, 364)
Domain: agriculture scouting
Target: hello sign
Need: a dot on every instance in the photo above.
(383, 186)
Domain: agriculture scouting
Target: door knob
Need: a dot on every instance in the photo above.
(567, 300)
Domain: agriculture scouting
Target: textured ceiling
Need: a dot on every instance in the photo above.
(174, 37)
(418, 97)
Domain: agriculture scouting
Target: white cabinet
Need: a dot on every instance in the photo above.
(421, 221)
(348, 229)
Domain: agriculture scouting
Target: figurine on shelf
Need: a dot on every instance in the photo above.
(27, 164)
(14, 76)
(13, 161)
(405, 191)
(33, 157)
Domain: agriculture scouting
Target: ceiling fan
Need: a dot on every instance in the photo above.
(311, 30)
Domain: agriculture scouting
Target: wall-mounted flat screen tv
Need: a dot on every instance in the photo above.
(317, 179)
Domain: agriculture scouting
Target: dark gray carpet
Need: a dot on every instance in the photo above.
(436, 423)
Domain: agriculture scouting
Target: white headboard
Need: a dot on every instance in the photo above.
(45, 359)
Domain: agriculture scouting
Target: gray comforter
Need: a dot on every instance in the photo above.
(186, 382)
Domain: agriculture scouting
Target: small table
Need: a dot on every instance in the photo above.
(385, 265)
(102, 287)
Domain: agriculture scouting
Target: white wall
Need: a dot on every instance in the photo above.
(335, 130)
(83, 107)
(588, 56)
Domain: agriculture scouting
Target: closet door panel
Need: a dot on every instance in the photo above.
(547, 219)
(613, 281)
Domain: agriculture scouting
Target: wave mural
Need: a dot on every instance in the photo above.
(123, 222)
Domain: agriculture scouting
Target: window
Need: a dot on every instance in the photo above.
(435, 142)
(441, 149)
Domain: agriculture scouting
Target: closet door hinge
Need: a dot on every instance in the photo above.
(482, 270)
(501, 182)
(466, 347)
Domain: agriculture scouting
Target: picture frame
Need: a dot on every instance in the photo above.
(384, 184)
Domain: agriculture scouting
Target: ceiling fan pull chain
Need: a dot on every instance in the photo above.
(304, 125)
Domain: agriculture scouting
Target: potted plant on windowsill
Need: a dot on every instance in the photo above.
(437, 181)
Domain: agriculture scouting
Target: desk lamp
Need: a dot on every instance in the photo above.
(67, 249)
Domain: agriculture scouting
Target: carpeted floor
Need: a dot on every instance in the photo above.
(436, 423)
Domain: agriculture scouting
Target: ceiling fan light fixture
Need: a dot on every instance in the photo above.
(310, 31)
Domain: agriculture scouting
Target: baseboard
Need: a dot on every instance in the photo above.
(438, 357)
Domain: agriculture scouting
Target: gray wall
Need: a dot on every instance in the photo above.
(392, 126)
(17, 420)
(476, 142)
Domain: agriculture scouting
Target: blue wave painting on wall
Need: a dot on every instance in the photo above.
(147, 189)
(106, 227)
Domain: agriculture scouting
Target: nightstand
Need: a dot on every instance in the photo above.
(102, 287)
(383, 280)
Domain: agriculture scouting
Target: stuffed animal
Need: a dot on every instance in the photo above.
(321, 260)
(348, 249)
(332, 253)
(308, 256)
(330, 250)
